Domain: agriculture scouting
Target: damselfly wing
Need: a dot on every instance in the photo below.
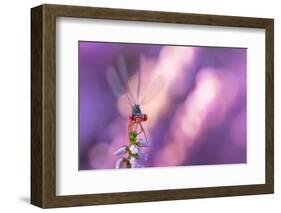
(131, 154)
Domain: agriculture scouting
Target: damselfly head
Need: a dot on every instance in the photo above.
(137, 114)
(136, 110)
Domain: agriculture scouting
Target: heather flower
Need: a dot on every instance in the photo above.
(142, 143)
(135, 163)
(134, 149)
(132, 155)
(121, 151)
(142, 155)
(119, 163)
(122, 163)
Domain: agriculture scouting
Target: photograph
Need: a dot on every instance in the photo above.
(140, 105)
(161, 105)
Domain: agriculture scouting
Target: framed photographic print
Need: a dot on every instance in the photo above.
(136, 106)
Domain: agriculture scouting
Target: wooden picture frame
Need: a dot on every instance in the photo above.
(43, 105)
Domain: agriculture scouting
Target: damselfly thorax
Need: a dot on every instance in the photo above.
(135, 121)
(137, 115)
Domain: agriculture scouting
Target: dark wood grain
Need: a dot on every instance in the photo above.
(269, 105)
(43, 105)
(36, 106)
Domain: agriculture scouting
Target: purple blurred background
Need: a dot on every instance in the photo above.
(196, 107)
